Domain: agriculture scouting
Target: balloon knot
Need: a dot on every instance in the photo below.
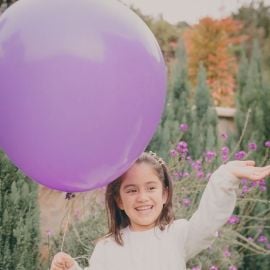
(69, 196)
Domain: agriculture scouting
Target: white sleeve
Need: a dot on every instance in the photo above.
(216, 206)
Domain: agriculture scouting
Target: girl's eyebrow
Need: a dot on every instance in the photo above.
(128, 186)
(134, 185)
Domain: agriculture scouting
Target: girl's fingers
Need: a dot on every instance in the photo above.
(62, 261)
(69, 264)
(260, 173)
(54, 267)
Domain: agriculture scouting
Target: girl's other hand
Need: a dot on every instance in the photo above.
(247, 169)
(62, 261)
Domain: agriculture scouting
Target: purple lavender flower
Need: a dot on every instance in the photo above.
(225, 153)
(209, 156)
(225, 150)
(186, 202)
(185, 174)
(252, 146)
(262, 239)
(182, 148)
(267, 144)
(197, 165)
(196, 268)
(213, 267)
(227, 253)
(240, 155)
(232, 267)
(173, 153)
(233, 219)
(183, 127)
(200, 174)
(262, 185)
(245, 189)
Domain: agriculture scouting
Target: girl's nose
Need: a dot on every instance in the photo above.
(142, 196)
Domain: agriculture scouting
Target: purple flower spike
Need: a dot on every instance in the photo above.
(185, 174)
(267, 144)
(252, 146)
(210, 155)
(240, 155)
(245, 189)
(233, 219)
(213, 267)
(225, 150)
(182, 148)
(227, 253)
(186, 202)
(196, 268)
(173, 153)
(232, 267)
(200, 174)
(183, 127)
(262, 239)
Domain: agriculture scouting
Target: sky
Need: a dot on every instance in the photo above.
(189, 11)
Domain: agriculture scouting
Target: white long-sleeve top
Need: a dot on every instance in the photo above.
(171, 248)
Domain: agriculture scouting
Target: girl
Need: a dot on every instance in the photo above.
(143, 234)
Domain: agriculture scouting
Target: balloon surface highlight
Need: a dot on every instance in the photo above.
(82, 90)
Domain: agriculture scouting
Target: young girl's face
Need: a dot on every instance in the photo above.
(142, 196)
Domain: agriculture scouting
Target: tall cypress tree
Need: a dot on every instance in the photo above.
(177, 106)
(204, 119)
(253, 97)
(19, 219)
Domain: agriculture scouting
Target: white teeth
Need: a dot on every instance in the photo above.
(142, 208)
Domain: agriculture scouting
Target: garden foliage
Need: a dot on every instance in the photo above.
(19, 219)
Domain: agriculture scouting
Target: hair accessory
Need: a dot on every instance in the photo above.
(157, 158)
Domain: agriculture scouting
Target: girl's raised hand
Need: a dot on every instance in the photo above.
(62, 261)
(247, 169)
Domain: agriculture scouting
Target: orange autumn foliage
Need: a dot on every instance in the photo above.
(210, 42)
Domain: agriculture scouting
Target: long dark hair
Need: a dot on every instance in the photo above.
(117, 218)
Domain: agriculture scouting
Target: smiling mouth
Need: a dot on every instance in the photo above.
(144, 208)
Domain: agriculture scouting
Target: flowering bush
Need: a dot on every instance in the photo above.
(245, 229)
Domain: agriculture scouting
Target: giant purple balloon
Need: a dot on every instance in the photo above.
(82, 89)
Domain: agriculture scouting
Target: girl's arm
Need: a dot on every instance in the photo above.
(218, 202)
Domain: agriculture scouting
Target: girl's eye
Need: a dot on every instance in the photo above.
(152, 188)
(131, 190)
